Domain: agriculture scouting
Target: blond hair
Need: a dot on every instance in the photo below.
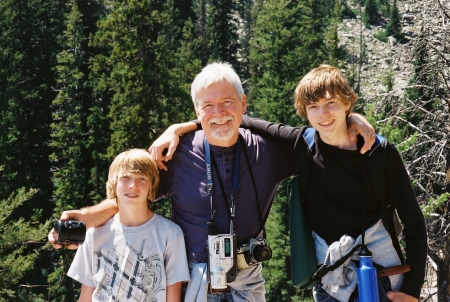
(323, 82)
(133, 161)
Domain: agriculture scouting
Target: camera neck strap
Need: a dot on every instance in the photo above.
(209, 180)
(209, 159)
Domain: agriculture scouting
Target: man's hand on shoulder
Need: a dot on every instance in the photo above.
(169, 141)
(396, 296)
(357, 124)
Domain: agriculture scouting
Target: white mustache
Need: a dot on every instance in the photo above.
(220, 120)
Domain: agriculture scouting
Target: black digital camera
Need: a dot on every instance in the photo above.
(253, 252)
(70, 231)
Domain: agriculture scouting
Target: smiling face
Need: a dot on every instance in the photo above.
(132, 189)
(130, 168)
(329, 117)
(220, 111)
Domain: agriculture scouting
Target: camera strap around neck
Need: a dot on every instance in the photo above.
(209, 183)
(209, 180)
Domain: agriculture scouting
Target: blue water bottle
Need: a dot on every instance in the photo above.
(367, 277)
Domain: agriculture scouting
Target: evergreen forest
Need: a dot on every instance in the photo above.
(83, 80)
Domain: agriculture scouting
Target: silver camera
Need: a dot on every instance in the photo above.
(222, 267)
(252, 253)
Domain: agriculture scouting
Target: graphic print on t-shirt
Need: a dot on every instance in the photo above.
(128, 275)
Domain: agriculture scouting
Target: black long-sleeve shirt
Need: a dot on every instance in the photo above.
(335, 191)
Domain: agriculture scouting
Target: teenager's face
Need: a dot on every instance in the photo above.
(220, 110)
(132, 189)
(328, 116)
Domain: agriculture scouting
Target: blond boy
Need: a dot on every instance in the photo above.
(137, 255)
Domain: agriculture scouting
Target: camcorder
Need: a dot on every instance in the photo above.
(222, 267)
(253, 252)
(70, 231)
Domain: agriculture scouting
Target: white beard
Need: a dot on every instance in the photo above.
(223, 134)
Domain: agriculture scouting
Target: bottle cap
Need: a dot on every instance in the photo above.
(365, 252)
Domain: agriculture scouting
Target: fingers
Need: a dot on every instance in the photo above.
(52, 239)
(157, 154)
(70, 215)
(161, 165)
(369, 139)
(352, 132)
(397, 296)
(71, 246)
(171, 149)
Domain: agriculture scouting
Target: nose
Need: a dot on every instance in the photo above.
(132, 183)
(323, 110)
(217, 109)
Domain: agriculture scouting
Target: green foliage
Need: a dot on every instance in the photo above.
(397, 135)
(74, 139)
(276, 272)
(142, 74)
(28, 44)
(370, 15)
(15, 257)
(335, 53)
(394, 27)
(222, 31)
(288, 41)
(345, 11)
(381, 35)
(388, 79)
(430, 208)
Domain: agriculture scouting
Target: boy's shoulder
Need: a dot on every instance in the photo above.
(166, 223)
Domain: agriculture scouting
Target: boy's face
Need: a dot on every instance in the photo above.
(329, 117)
(132, 189)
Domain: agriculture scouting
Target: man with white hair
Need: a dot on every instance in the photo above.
(223, 174)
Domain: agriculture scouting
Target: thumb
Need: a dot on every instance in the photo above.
(352, 133)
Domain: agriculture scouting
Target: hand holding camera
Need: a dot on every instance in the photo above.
(69, 231)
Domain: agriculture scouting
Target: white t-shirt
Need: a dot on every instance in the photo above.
(131, 263)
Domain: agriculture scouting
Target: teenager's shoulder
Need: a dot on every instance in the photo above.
(166, 223)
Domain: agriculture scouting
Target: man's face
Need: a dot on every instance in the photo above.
(220, 111)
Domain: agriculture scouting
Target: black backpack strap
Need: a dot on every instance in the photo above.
(324, 269)
(308, 136)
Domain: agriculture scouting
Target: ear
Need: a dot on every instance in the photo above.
(244, 103)
(197, 113)
(347, 107)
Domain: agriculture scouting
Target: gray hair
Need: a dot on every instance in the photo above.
(220, 72)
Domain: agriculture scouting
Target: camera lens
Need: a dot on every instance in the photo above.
(262, 253)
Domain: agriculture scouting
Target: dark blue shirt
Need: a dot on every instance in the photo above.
(185, 181)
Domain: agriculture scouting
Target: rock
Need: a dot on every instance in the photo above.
(392, 41)
(408, 18)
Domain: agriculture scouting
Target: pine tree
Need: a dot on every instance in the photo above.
(245, 17)
(222, 32)
(29, 44)
(370, 14)
(287, 42)
(394, 27)
(15, 257)
(332, 38)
